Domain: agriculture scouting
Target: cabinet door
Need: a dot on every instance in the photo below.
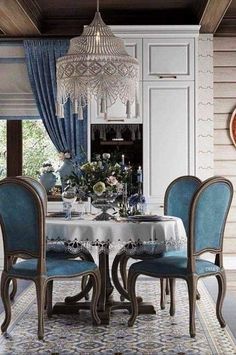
(168, 59)
(168, 135)
(117, 112)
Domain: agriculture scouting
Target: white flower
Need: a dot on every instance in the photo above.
(99, 188)
(46, 169)
(112, 180)
(63, 156)
(119, 187)
(67, 155)
(106, 156)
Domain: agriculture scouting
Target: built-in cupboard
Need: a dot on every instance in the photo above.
(166, 102)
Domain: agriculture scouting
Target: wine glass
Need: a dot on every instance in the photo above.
(81, 208)
(69, 197)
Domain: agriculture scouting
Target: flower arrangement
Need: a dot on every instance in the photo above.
(100, 176)
(46, 168)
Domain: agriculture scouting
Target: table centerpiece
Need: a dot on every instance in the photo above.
(102, 179)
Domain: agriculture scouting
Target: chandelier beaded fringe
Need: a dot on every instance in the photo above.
(97, 65)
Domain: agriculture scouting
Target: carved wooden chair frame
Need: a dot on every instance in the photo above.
(191, 277)
(41, 280)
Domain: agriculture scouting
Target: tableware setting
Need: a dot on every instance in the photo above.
(148, 218)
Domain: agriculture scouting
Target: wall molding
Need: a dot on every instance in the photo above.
(205, 126)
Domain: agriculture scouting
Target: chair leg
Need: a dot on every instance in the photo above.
(5, 283)
(48, 300)
(167, 287)
(41, 293)
(96, 280)
(198, 295)
(123, 273)
(163, 293)
(14, 283)
(14, 289)
(172, 296)
(221, 295)
(132, 277)
(83, 285)
(192, 292)
(123, 270)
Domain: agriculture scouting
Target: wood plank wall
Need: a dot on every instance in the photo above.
(224, 103)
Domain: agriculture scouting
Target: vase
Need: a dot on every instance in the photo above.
(48, 180)
(104, 202)
(65, 171)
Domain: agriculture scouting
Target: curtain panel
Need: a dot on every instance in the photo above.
(67, 133)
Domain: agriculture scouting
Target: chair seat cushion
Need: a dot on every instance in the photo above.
(145, 256)
(58, 255)
(55, 267)
(173, 265)
(181, 252)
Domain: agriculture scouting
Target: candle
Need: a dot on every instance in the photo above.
(123, 159)
(139, 174)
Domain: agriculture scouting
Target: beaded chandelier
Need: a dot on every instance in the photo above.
(96, 66)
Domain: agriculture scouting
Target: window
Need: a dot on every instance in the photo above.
(37, 148)
(3, 149)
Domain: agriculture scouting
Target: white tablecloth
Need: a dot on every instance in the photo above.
(164, 235)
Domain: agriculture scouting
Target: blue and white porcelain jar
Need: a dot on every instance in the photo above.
(47, 177)
(66, 169)
(48, 180)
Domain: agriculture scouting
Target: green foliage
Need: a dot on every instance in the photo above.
(37, 147)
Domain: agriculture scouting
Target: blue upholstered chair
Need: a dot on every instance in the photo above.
(177, 202)
(22, 219)
(209, 210)
(56, 251)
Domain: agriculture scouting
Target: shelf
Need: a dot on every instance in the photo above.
(117, 143)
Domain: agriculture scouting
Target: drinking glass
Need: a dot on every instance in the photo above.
(69, 197)
(81, 208)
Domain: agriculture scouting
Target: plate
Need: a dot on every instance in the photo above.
(62, 214)
(149, 218)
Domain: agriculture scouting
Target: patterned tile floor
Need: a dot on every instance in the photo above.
(151, 334)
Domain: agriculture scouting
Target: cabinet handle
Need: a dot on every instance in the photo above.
(164, 76)
(117, 120)
(161, 206)
(167, 77)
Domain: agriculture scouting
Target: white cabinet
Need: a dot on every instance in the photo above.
(168, 59)
(168, 102)
(117, 112)
(168, 135)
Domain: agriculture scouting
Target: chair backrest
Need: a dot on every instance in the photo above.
(209, 212)
(39, 188)
(22, 218)
(178, 198)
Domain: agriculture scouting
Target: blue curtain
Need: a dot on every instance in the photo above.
(66, 133)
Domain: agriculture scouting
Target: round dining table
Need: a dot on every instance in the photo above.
(126, 236)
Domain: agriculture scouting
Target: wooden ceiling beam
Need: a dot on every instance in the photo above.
(20, 17)
(227, 27)
(213, 14)
(72, 26)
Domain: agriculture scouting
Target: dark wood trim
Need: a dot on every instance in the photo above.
(227, 27)
(20, 17)
(213, 14)
(70, 26)
(14, 148)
